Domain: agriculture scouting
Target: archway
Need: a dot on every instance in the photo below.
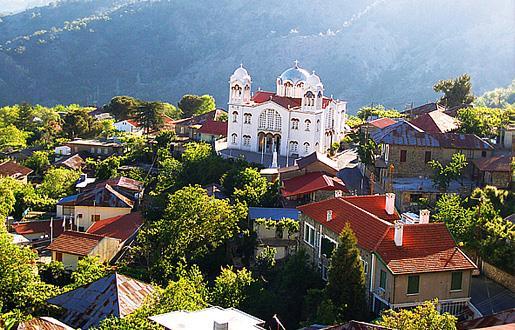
(269, 142)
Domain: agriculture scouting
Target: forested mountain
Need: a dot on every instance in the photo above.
(392, 52)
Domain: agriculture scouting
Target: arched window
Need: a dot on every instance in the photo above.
(234, 138)
(306, 147)
(300, 84)
(318, 125)
(236, 90)
(247, 118)
(309, 98)
(235, 117)
(307, 122)
(246, 140)
(294, 146)
(330, 119)
(294, 123)
(270, 120)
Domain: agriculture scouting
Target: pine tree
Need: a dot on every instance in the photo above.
(346, 280)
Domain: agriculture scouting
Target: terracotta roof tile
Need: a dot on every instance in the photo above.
(12, 169)
(436, 122)
(214, 127)
(121, 227)
(311, 182)
(38, 226)
(375, 204)
(382, 122)
(76, 243)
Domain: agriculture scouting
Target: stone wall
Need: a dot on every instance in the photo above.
(499, 276)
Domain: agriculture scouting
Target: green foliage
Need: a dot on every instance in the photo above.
(459, 220)
(105, 169)
(78, 123)
(354, 121)
(150, 115)
(230, 288)
(424, 316)
(292, 226)
(201, 165)
(58, 183)
(251, 187)
(366, 147)
(497, 98)
(265, 261)
(482, 121)
(12, 138)
(346, 279)
(89, 269)
(122, 107)
(364, 113)
(38, 161)
(444, 175)
(54, 273)
(170, 170)
(18, 196)
(192, 105)
(192, 225)
(456, 91)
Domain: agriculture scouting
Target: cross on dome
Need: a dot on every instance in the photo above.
(296, 63)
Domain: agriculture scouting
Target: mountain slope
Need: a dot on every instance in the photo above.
(365, 51)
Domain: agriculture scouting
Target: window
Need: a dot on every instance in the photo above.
(234, 138)
(294, 146)
(403, 156)
(308, 124)
(95, 217)
(309, 99)
(456, 281)
(309, 234)
(414, 198)
(99, 150)
(294, 123)
(235, 117)
(58, 256)
(306, 147)
(427, 156)
(382, 279)
(413, 282)
(246, 118)
(483, 154)
(246, 140)
(318, 125)
(270, 120)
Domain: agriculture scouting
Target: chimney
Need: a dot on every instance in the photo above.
(390, 203)
(397, 237)
(329, 215)
(424, 216)
(220, 326)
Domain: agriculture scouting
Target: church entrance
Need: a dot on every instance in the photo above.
(269, 142)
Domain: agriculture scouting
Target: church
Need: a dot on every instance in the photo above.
(295, 120)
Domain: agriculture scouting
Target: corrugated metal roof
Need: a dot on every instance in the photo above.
(43, 323)
(115, 295)
(273, 213)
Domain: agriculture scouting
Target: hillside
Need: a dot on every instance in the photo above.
(392, 52)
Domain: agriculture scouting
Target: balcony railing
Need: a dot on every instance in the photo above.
(462, 308)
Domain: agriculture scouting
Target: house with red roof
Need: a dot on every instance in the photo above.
(405, 262)
(103, 239)
(212, 130)
(494, 171)
(14, 170)
(129, 126)
(436, 122)
(376, 124)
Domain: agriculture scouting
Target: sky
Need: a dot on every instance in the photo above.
(14, 6)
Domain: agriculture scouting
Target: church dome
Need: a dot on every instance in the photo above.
(294, 75)
(240, 74)
(313, 80)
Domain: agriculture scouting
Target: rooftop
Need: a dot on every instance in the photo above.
(214, 127)
(115, 295)
(38, 226)
(204, 319)
(76, 243)
(13, 169)
(95, 143)
(424, 108)
(273, 213)
(494, 164)
(382, 122)
(284, 101)
(74, 162)
(436, 122)
(121, 227)
(43, 323)
(311, 182)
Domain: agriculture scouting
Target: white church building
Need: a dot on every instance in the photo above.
(295, 120)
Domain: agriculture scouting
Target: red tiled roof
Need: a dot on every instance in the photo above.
(121, 227)
(214, 127)
(76, 243)
(369, 229)
(494, 164)
(12, 169)
(375, 204)
(103, 196)
(435, 122)
(500, 319)
(284, 101)
(38, 226)
(311, 182)
(425, 248)
(382, 122)
(134, 123)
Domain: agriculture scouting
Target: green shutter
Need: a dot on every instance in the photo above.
(382, 280)
(456, 280)
(413, 282)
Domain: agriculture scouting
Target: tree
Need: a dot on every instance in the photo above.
(192, 225)
(444, 175)
(107, 168)
(231, 286)
(354, 121)
(122, 107)
(456, 91)
(364, 113)
(192, 105)
(38, 161)
(497, 98)
(201, 165)
(12, 138)
(58, 183)
(459, 219)
(150, 116)
(366, 147)
(265, 260)
(171, 111)
(169, 172)
(482, 121)
(424, 316)
(79, 123)
(89, 269)
(346, 279)
(251, 187)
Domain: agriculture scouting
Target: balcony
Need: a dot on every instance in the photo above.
(461, 308)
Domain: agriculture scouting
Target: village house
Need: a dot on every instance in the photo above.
(405, 263)
(375, 125)
(95, 148)
(494, 171)
(129, 126)
(38, 232)
(211, 131)
(14, 170)
(281, 239)
(507, 137)
(423, 109)
(188, 127)
(73, 162)
(103, 239)
(100, 201)
(436, 122)
(210, 318)
(113, 295)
